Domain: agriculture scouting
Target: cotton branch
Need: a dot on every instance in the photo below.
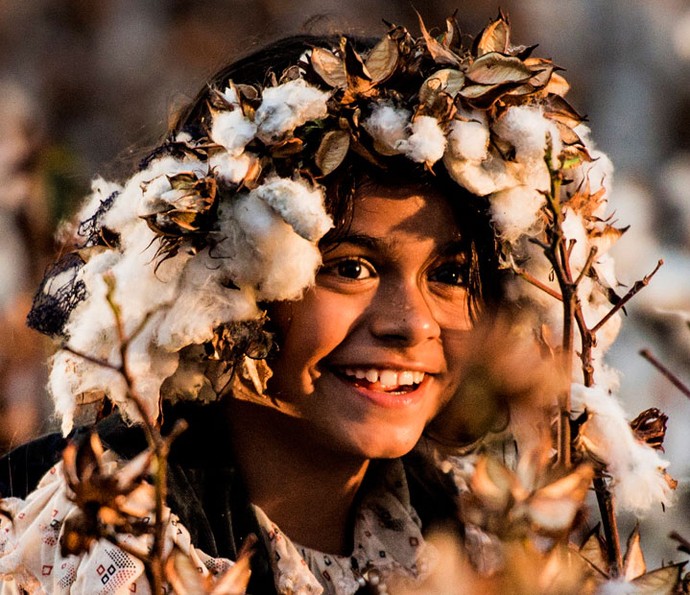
(160, 446)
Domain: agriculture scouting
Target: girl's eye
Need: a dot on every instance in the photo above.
(450, 273)
(351, 268)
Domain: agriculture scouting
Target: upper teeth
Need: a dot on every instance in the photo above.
(386, 377)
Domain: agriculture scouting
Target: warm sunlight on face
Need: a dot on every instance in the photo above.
(374, 350)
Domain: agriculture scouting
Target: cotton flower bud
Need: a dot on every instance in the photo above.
(287, 106)
(427, 143)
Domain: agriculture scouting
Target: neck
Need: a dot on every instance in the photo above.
(307, 488)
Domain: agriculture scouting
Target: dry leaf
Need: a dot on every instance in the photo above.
(446, 80)
(494, 38)
(332, 150)
(496, 69)
(662, 581)
(329, 67)
(439, 52)
(382, 59)
(633, 563)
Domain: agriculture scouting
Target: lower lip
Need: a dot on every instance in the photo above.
(389, 400)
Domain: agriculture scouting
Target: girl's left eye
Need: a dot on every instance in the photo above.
(449, 273)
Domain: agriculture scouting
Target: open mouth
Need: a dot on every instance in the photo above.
(385, 381)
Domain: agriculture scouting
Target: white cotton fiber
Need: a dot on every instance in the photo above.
(388, 125)
(231, 170)
(71, 376)
(527, 129)
(203, 304)
(515, 211)
(287, 106)
(100, 190)
(281, 262)
(636, 469)
(149, 366)
(426, 144)
(232, 130)
(574, 231)
(469, 139)
(299, 205)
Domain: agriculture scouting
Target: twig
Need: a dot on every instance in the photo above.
(677, 382)
(522, 273)
(684, 543)
(628, 296)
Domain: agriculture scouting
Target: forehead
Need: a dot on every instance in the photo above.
(415, 213)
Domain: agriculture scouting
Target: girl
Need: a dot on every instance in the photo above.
(296, 271)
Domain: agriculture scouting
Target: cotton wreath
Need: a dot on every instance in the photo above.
(178, 259)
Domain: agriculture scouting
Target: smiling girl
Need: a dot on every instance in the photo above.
(297, 271)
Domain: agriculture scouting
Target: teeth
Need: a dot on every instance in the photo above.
(388, 378)
(372, 376)
(406, 378)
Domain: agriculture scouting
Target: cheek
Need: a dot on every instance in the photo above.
(309, 330)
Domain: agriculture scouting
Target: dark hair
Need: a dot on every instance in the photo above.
(471, 211)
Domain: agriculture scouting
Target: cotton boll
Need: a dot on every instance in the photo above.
(635, 468)
(515, 211)
(300, 206)
(426, 144)
(287, 106)
(387, 125)
(493, 174)
(282, 264)
(232, 130)
(231, 170)
(129, 205)
(526, 128)
(469, 140)
(292, 268)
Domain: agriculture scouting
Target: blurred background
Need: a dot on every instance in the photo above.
(87, 85)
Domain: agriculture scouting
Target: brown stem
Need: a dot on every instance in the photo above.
(608, 516)
(537, 283)
(677, 382)
(628, 296)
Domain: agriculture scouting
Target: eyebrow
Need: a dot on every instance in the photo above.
(374, 244)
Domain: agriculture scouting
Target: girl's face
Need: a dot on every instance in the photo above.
(375, 349)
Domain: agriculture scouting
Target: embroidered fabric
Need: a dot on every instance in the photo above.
(387, 540)
(30, 558)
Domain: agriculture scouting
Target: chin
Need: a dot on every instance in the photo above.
(387, 443)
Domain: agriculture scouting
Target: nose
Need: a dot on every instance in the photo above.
(402, 315)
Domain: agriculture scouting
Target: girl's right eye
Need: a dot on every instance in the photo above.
(350, 268)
